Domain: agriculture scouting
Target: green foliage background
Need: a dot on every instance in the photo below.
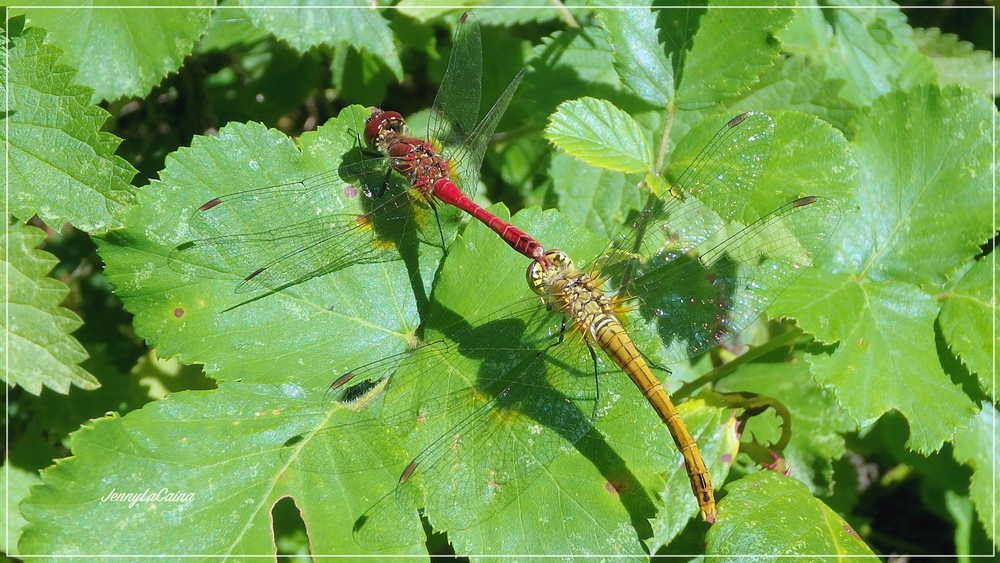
(893, 445)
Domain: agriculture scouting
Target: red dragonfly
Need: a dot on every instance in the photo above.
(443, 167)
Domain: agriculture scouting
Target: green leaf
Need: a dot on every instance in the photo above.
(809, 157)
(596, 198)
(925, 159)
(869, 47)
(976, 447)
(729, 51)
(41, 351)
(120, 50)
(360, 26)
(967, 321)
(886, 358)
(173, 447)
(798, 84)
(957, 62)
(817, 421)
(192, 308)
(766, 514)
(605, 482)
(629, 451)
(639, 58)
(16, 484)
(60, 165)
(598, 133)
(518, 12)
(230, 26)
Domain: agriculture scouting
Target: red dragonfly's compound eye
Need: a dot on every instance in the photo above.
(377, 121)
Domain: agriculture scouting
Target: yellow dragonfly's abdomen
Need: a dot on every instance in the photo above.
(593, 314)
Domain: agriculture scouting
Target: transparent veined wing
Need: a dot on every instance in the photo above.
(482, 407)
(455, 111)
(311, 238)
(703, 200)
(279, 256)
(702, 299)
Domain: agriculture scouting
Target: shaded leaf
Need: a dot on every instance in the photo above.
(572, 64)
(230, 26)
(976, 446)
(359, 26)
(59, 164)
(518, 12)
(41, 351)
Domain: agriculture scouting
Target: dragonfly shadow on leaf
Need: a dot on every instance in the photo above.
(481, 409)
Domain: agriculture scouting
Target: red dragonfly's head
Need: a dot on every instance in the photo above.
(381, 125)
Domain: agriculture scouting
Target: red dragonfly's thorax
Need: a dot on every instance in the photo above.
(417, 160)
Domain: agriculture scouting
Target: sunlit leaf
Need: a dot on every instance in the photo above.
(796, 83)
(869, 47)
(17, 482)
(60, 165)
(729, 51)
(38, 348)
(967, 321)
(957, 62)
(596, 198)
(923, 157)
(766, 514)
(639, 58)
(122, 50)
(162, 463)
(600, 134)
(187, 310)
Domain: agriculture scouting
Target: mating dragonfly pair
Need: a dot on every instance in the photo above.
(695, 291)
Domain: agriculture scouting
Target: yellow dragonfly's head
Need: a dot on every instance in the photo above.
(541, 278)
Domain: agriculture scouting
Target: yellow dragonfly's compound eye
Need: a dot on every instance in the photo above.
(535, 275)
(560, 259)
(540, 278)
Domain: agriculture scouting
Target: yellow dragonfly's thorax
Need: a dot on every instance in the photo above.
(573, 292)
